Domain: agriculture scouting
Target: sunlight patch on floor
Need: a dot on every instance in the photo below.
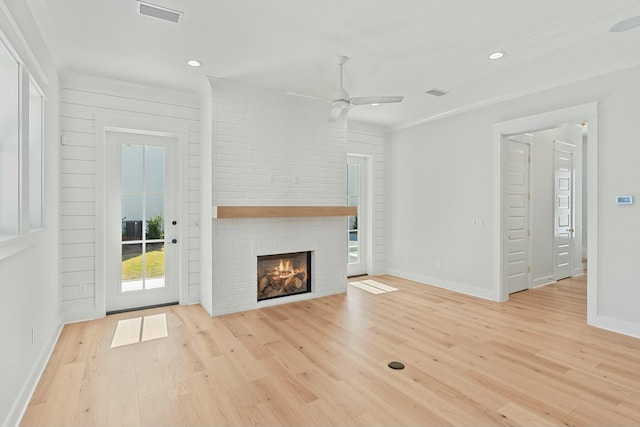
(140, 329)
(373, 287)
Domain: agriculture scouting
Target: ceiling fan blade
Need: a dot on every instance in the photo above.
(335, 113)
(338, 111)
(368, 100)
(301, 95)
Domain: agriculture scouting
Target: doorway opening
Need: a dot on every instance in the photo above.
(583, 121)
(545, 206)
(358, 188)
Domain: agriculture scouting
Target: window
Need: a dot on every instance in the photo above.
(21, 147)
(35, 157)
(9, 144)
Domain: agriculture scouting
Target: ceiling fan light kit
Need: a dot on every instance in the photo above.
(342, 103)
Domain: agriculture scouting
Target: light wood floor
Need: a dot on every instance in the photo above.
(530, 362)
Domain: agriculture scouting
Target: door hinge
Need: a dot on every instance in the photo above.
(529, 195)
(529, 159)
(529, 233)
(529, 269)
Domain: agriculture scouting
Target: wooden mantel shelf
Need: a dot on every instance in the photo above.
(220, 212)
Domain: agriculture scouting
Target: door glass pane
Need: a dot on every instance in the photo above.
(132, 168)
(354, 247)
(353, 182)
(132, 267)
(155, 216)
(154, 159)
(154, 272)
(353, 199)
(143, 182)
(131, 215)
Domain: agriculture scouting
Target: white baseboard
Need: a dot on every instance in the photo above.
(82, 316)
(616, 325)
(445, 284)
(24, 397)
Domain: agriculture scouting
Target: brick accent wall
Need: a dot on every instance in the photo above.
(269, 148)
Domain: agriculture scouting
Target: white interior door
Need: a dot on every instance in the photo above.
(517, 207)
(357, 225)
(563, 224)
(141, 221)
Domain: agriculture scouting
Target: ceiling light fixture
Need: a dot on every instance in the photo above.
(194, 63)
(497, 55)
(626, 25)
(375, 104)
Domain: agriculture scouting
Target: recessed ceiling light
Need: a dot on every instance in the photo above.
(194, 63)
(626, 25)
(375, 104)
(497, 55)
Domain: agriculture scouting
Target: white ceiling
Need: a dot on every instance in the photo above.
(399, 47)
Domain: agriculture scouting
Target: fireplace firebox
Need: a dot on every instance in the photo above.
(281, 275)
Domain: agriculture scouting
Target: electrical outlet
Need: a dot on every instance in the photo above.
(33, 335)
(82, 290)
(478, 222)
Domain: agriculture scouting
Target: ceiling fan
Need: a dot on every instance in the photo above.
(341, 103)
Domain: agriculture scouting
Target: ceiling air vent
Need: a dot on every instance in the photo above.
(159, 12)
(436, 92)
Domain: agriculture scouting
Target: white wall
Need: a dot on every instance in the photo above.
(29, 265)
(269, 148)
(83, 98)
(371, 141)
(441, 175)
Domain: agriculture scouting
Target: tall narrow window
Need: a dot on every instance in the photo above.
(9, 144)
(35, 157)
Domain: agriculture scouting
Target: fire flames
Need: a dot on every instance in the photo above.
(281, 277)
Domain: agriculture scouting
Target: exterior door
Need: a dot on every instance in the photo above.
(357, 225)
(142, 228)
(517, 227)
(563, 224)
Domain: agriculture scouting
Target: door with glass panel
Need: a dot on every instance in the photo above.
(357, 225)
(142, 227)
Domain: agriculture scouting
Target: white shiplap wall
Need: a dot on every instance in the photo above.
(371, 141)
(82, 98)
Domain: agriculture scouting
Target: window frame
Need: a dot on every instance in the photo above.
(26, 236)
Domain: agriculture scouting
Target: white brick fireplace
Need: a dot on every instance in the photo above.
(273, 149)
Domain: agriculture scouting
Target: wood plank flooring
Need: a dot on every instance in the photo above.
(531, 361)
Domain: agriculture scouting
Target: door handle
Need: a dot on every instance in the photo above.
(174, 241)
(571, 230)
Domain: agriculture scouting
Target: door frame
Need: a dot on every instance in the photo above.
(126, 124)
(552, 119)
(369, 217)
